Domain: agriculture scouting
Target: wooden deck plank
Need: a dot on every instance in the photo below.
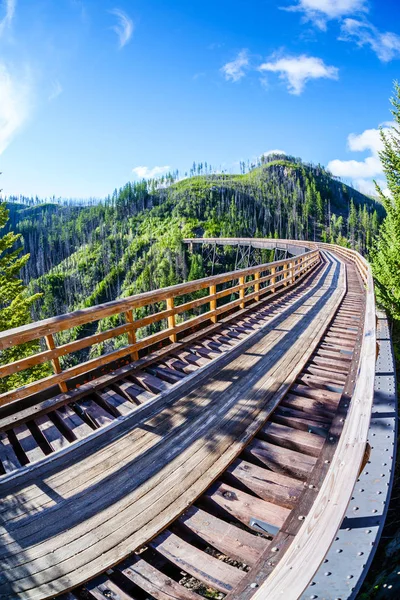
(241, 505)
(71, 423)
(281, 460)
(268, 485)
(121, 405)
(53, 435)
(149, 382)
(133, 392)
(8, 458)
(225, 537)
(29, 445)
(104, 588)
(95, 412)
(154, 582)
(294, 439)
(204, 567)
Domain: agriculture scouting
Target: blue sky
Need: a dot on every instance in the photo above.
(94, 93)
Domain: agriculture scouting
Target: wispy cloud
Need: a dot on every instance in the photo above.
(56, 90)
(80, 6)
(298, 70)
(214, 46)
(386, 45)
(321, 11)
(236, 69)
(124, 27)
(15, 103)
(150, 173)
(362, 172)
(8, 8)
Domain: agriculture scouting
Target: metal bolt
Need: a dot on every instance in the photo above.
(254, 585)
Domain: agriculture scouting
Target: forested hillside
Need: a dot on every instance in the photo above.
(131, 242)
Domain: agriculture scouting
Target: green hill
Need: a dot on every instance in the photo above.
(131, 242)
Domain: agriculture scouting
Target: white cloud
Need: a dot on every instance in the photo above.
(386, 45)
(56, 90)
(235, 69)
(321, 11)
(367, 186)
(362, 172)
(297, 70)
(9, 9)
(147, 173)
(274, 152)
(15, 104)
(124, 28)
(356, 169)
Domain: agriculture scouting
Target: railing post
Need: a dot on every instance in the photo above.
(213, 302)
(257, 285)
(55, 362)
(285, 274)
(131, 333)
(241, 291)
(273, 279)
(171, 319)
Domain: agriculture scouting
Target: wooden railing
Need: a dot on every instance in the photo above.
(250, 284)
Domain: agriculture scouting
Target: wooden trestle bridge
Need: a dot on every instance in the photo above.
(216, 456)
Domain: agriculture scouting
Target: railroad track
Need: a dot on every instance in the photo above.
(195, 469)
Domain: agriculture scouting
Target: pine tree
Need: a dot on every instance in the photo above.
(386, 253)
(15, 307)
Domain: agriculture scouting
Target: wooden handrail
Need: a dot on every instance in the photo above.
(311, 544)
(266, 278)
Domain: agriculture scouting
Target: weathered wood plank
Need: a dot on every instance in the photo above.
(281, 460)
(29, 445)
(53, 435)
(103, 588)
(154, 582)
(121, 405)
(204, 567)
(70, 423)
(268, 485)
(225, 537)
(294, 439)
(8, 458)
(133, 392)
(242, 506)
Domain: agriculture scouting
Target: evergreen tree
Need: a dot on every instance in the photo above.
(386, 253)
(15, 307)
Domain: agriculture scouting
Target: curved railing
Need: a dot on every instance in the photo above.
(249, 284)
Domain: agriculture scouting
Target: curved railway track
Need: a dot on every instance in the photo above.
(193, 470)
